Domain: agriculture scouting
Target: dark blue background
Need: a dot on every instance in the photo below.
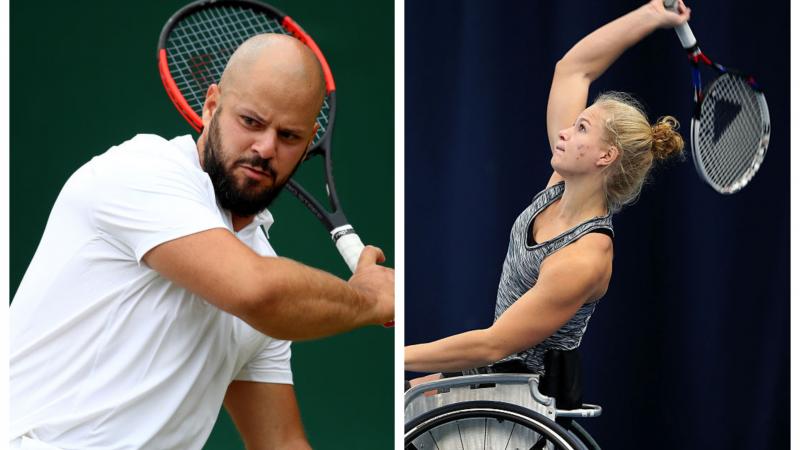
(690, 347)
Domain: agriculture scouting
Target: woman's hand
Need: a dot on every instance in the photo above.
(426, 379)
(668, 18)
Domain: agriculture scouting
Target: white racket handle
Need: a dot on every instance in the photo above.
(349, 245)
(683, 31)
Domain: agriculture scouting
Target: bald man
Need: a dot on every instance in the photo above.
(154, 297)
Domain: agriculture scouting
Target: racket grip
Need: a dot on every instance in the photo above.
(683, 31)
(349, 245)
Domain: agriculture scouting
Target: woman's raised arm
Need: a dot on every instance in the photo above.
(595, 53)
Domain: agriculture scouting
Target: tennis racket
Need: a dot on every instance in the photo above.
(730, 122)
(193, 50)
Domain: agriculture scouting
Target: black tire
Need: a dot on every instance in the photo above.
(583, 435)
(547, 429)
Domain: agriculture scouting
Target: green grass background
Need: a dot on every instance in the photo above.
(83, 77)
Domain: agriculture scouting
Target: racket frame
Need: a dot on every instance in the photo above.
(696, 57)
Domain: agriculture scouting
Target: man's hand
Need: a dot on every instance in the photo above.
(375, 283)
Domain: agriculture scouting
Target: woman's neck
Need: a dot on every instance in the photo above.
(582, 199)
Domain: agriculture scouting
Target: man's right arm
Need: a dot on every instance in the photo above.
(277, 296)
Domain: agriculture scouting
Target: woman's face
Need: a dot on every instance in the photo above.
(582, 148)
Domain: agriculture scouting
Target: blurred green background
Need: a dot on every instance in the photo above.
(83, 77)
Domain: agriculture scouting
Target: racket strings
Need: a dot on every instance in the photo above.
(729, 153)
(200, 45)
(732, 126)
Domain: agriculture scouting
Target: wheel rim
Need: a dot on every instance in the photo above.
(474, 427)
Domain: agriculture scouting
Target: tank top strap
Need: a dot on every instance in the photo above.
(546, 196)
(591, 225)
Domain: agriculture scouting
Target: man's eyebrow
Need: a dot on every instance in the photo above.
(297, 131)
(252, 113)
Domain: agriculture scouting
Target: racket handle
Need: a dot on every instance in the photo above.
(683, 31)
(349, 245)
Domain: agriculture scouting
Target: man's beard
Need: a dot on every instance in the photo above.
(244, 201)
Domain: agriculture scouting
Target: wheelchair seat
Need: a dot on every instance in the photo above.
(498, 410)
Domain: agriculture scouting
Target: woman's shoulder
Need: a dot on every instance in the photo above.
(592, 251)
(599, 244)
(586, 264)
(590, 245)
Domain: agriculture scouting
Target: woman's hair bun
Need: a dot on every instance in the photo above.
(667, 141)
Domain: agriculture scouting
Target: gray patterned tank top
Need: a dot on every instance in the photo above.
(521, 270)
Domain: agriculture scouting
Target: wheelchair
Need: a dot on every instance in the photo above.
(501, 411)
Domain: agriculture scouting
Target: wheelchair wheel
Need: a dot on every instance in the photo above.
(586, 439)
(489, 425)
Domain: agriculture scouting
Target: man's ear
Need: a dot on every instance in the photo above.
(211, 104)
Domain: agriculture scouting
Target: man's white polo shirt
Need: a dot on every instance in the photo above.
(106, 353)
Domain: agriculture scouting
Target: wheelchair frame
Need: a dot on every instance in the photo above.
(511, 399)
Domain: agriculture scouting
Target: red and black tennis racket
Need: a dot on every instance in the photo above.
(193, 50)
(730, 124)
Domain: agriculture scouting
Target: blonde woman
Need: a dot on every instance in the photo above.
(559, 259)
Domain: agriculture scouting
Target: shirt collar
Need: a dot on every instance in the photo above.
(264, 218)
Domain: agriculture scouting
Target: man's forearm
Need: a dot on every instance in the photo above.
(297, 302)
(277, 296)
(266, 415)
